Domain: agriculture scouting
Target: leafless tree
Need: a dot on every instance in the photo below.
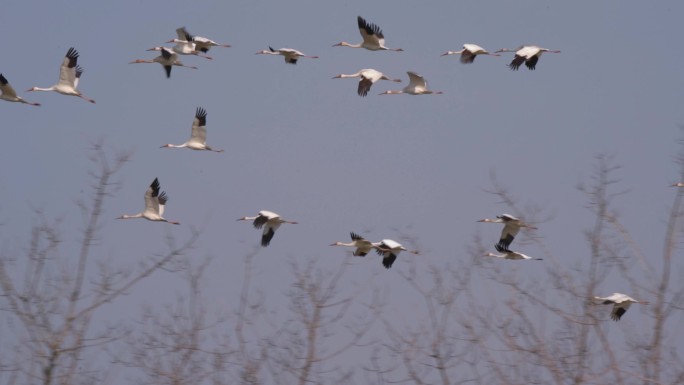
(51, 297)
(183, 344)
(300, 350)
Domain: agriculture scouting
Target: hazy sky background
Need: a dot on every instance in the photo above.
(307, 147)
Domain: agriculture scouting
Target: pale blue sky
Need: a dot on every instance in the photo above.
(307, 147)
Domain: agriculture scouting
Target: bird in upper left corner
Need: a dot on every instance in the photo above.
(69, 75)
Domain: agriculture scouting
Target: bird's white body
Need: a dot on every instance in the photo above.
(198, 135)
(270, 222)
(10, 95)
(362, 245)
(368, 77)
(512, 226)
(390, 249)
(373, 38)
(69, 76)
(155, 201)
(291, 55)
(621, 302)
(417, 86)
(469, 52)
(528, 54)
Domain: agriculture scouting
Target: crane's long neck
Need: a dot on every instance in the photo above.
(345, 44)
(125, 216)
(343, 76)
(42, 89)
(176, 145)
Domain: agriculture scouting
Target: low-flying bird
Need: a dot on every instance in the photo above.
(417, 86)
(202, 44)
(368, 77)
(373, 38)
(270, 221)
(511, 228)
(9, 94)
(620, 302)
(198, 135)
(155, 201)
(363, 246)
(678, 184)
(469, 52)
(291, 55)
(167, 59)
(390, 249)
(69, 75)
(512, 255)
(528, 54)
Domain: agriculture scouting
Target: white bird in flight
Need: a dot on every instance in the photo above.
(511, 228)
(368, 78)
(469, 52)
(390, 249)
(620, 302)
(363, 246)
(270, 221)
(202, 44)
(511, 255)
(373, 39)
(69, 74)
(291, 55)
(9, 94)
(417, 86)
(154, 205)
(167, 59)
(528, 54)
(198, 135)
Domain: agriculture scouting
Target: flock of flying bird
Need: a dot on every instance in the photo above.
(373, 40)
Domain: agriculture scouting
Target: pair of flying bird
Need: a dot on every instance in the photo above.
(512, 226)
(389, 249)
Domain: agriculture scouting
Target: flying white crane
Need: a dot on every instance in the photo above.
(291, 55)
(512, 255)
(620, 302)
(373, 39)
(9, 94)
(167, 59)
(417, 86)
(363, 246)
(69, 75)
(270, 221)
(528, 54)
(202, 44)
(198, 135)
(469, 52)
(154, 205)
(368, 78)
(389, 249)
(511, 228)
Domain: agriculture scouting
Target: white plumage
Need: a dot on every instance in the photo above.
(373, 38)
(469, 52)
(270, 222)
(368, 77)
(155, 201)
(621, 302)
(198, 135)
